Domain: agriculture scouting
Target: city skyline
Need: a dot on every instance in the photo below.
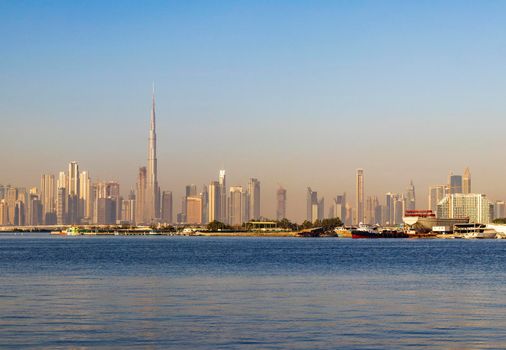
(399, 105)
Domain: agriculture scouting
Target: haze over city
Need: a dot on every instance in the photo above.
(298, 94)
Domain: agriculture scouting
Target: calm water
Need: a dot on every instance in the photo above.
(182, 292)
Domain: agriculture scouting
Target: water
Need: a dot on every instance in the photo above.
(201, 292)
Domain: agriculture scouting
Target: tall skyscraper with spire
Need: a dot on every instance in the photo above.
(466, 182)
(152, 206)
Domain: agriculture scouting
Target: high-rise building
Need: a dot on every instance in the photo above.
(454, 183)
(140, 198)
(167, 215)
(311, 205)
(73, 193)
(48, 199)
(152, 195)
(340, 207)
(61, 206)
(205, 204)
(191, 190)
(34, 212)
(194, 210)
(11, 197)
(499, 210)
(466, 181)
(410, 197)
(281, 203)
(321, 209)
(4, 213)
(106, 211)
(223, 199)
(474, 206)
(254, 198)
(85, 202)
(436, 194)
(236, 205)
(214, 201)
(360, 196)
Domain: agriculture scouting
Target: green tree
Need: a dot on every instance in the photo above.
(217, 225)
(499, 221)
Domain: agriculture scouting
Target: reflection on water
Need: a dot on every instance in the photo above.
(235, 292)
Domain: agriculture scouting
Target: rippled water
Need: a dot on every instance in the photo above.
(183, 292)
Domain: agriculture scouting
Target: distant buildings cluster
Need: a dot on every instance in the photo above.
(72, 198)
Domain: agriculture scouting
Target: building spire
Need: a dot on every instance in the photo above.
(153, 109)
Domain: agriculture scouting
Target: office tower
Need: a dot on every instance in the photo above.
(223, 199)
(399, 209)
(254, 199)
(340, 207)
(474, 206)
(152, 194)
(140, 198)
(281, 203)
(466, 182)
(236, 206)
(48, 199)
(4, 213)
(321, 209)
(378, 211)
(311, 205)
(112, 190)
(85, 203)
(454, 183)
(19, 213)
(11, 196)
(436, 194)
(214, 201)
(191, 190)
(128, 211)
(182, 213)
(499, 210)
(167, 215)
(369, 211)
(34, 209)
(410, 197)
(61, 206)
(394, 209)
(360, 196)
(205, 204)
(73, 193)
(194, 210)
(106, 211)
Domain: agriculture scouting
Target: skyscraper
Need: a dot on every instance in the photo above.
(466, 182)
(436, 194)
(85, 202)
(311, 205)
(73, 191)
(214, 201)
(223, 199)
(48, 199)
(167, 215)
(254, 199)
(194, 210)
(152, 199)
(236, 205)
(140, 211)
(411, 197)
(454, 183)
(281, 203)
(360, 196)
(340, 207)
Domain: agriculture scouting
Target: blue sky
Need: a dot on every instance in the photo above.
(293, 92)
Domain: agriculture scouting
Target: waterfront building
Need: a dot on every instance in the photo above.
(214, 201)
(454, 183)
(140, 197)
(223, 215)
(360, 196)
(474, 206)
(194, 210)
(167, 212)
(280, 203)
(466, 181)
(436, 194)
(48, 198)
(61, 206)
(254, 199)
(152, 193)
(236, 211)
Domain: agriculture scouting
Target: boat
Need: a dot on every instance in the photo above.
(343, 232)
(373, 231)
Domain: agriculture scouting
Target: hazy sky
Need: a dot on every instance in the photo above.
(299, 93)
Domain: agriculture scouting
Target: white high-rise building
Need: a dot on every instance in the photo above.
(214, 206)
(48, 199)
(474, 206)
(86, 204)
(223, 199)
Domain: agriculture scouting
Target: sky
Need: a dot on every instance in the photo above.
(294, 93)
